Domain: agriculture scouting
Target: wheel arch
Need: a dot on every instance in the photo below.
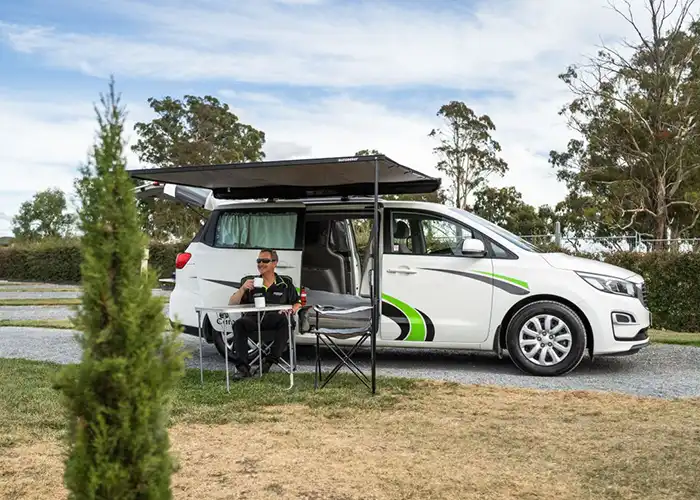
(500, 337)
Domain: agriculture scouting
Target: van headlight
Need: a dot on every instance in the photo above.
(609, 284)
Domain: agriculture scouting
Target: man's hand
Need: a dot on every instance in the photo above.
(248, 285)
(293, 310)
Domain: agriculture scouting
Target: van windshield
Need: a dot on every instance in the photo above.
(514, 239)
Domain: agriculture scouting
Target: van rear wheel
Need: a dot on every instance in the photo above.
(219, 342)
(546, 338)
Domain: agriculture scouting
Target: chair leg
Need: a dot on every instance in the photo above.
(317, 369)
(345, 360)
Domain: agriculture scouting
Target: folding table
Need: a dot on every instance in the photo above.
(224, 312)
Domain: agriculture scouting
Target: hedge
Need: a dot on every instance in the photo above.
(673, 279)
(59, 261)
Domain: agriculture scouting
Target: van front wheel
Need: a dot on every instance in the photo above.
(546, 338)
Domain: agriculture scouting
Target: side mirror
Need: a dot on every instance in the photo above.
(472, 247)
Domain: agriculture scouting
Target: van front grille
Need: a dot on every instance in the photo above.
(642, 294)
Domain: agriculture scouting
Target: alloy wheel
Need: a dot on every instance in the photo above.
(545, 340)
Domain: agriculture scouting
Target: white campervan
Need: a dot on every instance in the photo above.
(448, 279)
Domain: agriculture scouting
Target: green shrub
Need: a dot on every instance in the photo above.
(59, 261)
(118, 398)
(162, 256)
(55, 261)
(673, 281)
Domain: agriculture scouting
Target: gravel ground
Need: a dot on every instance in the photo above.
(39, 295)
(664, 371)
(41, 312)
(35, 312)
(6, 285)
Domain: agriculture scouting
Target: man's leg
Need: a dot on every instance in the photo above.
(243, 327)
(276, 323)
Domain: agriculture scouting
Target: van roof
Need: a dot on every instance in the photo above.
(295, 179)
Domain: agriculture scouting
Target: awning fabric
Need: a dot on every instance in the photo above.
(294, 179)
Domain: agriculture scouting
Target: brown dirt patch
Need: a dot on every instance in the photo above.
(456, 443)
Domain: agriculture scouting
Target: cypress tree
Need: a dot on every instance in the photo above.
(117, 398)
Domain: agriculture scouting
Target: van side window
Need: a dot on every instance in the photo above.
(256, 230)
(426, 234)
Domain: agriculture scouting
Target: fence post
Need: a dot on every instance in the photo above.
(144, 259)
(557, 233)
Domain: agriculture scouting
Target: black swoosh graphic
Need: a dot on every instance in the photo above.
(394, 313)
(429, 327)
(234, 284)
(503, 285)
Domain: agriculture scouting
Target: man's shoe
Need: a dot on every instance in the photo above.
(241, 373)
(267, 364)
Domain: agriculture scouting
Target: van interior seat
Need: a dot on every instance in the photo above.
(322, 269)
(402, 232)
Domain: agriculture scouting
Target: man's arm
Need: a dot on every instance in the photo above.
(236, 298)
(294, 297)
(240, 294)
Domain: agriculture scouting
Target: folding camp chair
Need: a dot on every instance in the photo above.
(327, 335)
(267, 340)
(254, 353)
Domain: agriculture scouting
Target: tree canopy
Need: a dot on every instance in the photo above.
(44, 216)
(635, 166)
(191, 131)
(467, 154)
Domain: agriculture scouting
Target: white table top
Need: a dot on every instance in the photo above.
(241, 308)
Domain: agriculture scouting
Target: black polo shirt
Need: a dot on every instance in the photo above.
(282, 291)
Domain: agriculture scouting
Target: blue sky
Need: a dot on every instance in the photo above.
(320, 77)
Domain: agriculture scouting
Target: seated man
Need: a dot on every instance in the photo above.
(277, 290)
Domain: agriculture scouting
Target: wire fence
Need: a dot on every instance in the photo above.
(606, 244)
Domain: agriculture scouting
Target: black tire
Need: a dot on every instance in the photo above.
(531, 315)
(218, 341)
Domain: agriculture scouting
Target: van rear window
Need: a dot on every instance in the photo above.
(256, 230)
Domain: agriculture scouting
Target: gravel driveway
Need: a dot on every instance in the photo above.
(664, 371)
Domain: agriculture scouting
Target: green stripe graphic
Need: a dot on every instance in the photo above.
(417, 331)
(506, 278)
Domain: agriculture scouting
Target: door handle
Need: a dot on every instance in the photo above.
(400, 270)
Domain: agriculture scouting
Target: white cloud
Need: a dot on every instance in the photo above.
(351, 44)
(517, 47)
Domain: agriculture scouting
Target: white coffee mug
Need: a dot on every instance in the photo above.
(257, 282)
(259, 301)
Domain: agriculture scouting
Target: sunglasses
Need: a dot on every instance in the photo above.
(264, 261)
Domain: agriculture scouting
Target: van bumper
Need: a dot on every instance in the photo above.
(621, 328)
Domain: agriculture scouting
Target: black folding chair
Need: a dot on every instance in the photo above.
(343, 353)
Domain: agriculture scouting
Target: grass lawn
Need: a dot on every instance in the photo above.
(412, 440)
(680, 338)
(62, 324)
(41, 302)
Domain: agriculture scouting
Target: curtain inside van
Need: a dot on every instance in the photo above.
(256, 230)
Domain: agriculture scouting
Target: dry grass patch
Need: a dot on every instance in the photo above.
(440, 440)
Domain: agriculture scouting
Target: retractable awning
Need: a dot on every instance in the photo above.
(293, 179)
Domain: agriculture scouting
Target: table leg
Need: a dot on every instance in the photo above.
(223, 334)
(292, 354)
(199, 330)
(260, 353)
